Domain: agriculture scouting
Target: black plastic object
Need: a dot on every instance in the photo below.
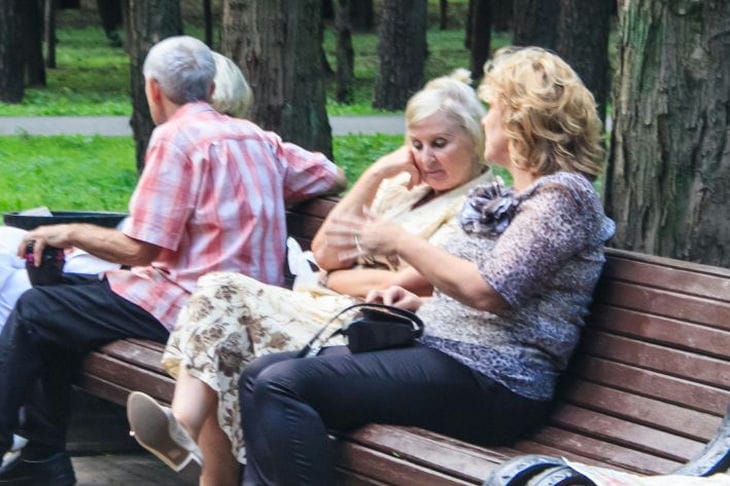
(519, 470)
(715, 457)
(28, 222)
(50, 271)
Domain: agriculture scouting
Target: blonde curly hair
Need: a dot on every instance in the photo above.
(548, 115)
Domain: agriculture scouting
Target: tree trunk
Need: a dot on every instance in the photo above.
(148, 22)
(361, 15)
(35, 69)
(402, 52)
(110, 13)
(345, 52)
(668, 184)
(11, 52)
(208, 22)
(502, 11)
(481, 34)
(584, 45)
(535, 22)
(49, 15)
(443, 14)
(276, 44)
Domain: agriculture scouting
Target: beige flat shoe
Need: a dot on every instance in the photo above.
(156, 429)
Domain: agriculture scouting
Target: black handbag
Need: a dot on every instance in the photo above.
(375, 326)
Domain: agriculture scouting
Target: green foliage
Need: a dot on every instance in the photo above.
(92, 77)
(66, 173)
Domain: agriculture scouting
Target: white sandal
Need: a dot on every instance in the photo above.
(157, 430)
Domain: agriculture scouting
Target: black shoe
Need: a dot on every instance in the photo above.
(54, 471)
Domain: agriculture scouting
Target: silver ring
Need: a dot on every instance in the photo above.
(357, 244)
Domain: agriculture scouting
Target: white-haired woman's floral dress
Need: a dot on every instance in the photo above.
(231, 319)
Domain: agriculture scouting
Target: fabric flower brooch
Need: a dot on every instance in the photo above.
(488, 209)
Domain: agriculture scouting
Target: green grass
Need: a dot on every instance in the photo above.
(66, 173)
(98, 173)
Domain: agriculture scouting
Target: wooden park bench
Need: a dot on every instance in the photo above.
(646, 391)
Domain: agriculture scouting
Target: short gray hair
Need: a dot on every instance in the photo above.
(184, 68)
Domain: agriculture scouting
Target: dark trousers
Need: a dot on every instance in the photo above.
(42, 345)
(287, 405)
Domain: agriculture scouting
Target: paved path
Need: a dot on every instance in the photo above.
(119, 125)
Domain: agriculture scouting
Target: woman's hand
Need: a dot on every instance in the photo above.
(400, 160)
(356, 237)
(395, 296)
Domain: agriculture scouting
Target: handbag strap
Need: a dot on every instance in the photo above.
(411, 316)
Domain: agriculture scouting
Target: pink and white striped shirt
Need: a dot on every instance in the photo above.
(212, 195)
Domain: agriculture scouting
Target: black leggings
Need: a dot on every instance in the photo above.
(287, 405)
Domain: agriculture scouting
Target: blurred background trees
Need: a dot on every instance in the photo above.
(657, 69)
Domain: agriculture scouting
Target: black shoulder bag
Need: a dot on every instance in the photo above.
(375, 326)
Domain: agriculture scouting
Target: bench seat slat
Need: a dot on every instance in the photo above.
(389, 469)
(613, 454)
(115, 371)
(669, 274)
(700, 310)
(661, 330)
(135, 353)
(642, 410)
(682, 364)
(424, 448)
(625, 433)
(678, 391)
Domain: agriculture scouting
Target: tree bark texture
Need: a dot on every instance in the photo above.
(12, 87)
(668, 184)
(35, 69)
(481, 34)
(402, 52)
(49, 32)
(362, 15)
(148, 22)
(276, 44)
(584, 44)
(345, 74)
(535, 22)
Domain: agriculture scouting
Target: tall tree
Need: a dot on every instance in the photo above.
(668, 184)
(11, 52)
(535, 22)
(276, 44)
(148, 22)
(49, 32)
(480, 34)
(110, 13)
(402, 52)
(584, 45)
(345, 75)
(362, 15)
(32, 20)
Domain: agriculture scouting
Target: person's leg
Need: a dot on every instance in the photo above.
(253, 472)
(194, 406)
(220, 467)
(290, 404)
(48, 333)
(193, 403)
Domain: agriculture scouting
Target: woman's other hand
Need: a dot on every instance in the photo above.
(400, 160)
(395, 296)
